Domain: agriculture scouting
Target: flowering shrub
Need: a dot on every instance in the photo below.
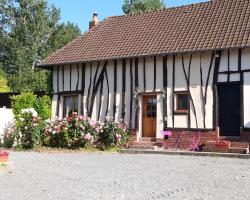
(78, 132)
(9, 135)
(113, 134)
(74, 132)
(28, 128)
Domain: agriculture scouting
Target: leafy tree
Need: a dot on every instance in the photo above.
(30, 31)
(3, 82)
(136, 6)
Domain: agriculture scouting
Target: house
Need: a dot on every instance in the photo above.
(184, 68)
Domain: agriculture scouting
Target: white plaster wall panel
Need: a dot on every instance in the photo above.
(206, 59)
(88, 80)
(140, 117)
(110, 73)
(95, 106)
(61, 89)
(54, 105)
(245, 61)
(60, 113)
(140, 75)
(159, 122)
(235, 77)
(133, 100)
(66, 78)
(180, 121)
(233, 60)
(105, 97)
(169, 90)
(159, 73)
(205, 64)
(127, 94)
(246, 106)
(55, 79)
(149, 74)
(119, 92)
(195, 90)
(222, 78)
(223, 62)
(74, 77)
(180, 81)
(80, 77)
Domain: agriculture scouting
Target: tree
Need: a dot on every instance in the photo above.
(3, 82)
(137, 6)
(30, 31)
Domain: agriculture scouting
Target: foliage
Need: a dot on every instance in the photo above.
(114, 134)
(28, 100)
(33, 80)
(30, 31)
(78, 132)
(43, 107)
(137, 6)
(73, 132)
(3, 82)
(9, 135)
(28, 129)
(63, 34)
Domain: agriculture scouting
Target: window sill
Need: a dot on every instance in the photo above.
(181, 112)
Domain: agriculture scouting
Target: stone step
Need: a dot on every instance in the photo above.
(240, 144)
(142, 147)
(147, 139)
(142, 143)
(238, 150)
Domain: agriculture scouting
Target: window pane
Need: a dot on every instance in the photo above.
(151, 107)
(66, 106)
(76, 104)
(70, 105)
(182, 101)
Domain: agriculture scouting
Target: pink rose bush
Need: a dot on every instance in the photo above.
(78, 131)
(74, 132)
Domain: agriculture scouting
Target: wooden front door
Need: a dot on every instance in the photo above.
(229, 110)
(149, 116)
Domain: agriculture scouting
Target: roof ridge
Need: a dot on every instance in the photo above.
(163, 9)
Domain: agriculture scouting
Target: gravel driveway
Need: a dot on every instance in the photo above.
(35, 176)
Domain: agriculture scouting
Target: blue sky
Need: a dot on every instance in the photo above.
(80, 11)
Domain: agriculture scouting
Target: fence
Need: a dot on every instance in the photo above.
(6, 116)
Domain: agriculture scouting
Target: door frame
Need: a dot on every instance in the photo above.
(233, 83)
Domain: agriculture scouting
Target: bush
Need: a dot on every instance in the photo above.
(73, 132)
(28, 129)
(78, 132)
(114, 134)
(29, 100)
(9, 135)
(43, 107)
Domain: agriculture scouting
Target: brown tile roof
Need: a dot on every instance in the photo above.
(217, 24)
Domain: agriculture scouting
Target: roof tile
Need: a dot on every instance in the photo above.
(217, 24)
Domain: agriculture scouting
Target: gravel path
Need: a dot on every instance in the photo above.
(68, 176)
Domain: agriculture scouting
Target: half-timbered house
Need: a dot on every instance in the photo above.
(183, 68)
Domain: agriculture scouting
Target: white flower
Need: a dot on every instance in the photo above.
(21, 119)
(30, 110)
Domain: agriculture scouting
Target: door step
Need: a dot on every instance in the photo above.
(147, 139)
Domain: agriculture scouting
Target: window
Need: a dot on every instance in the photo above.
(182, 102)
(151, 107)
(70, 105)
